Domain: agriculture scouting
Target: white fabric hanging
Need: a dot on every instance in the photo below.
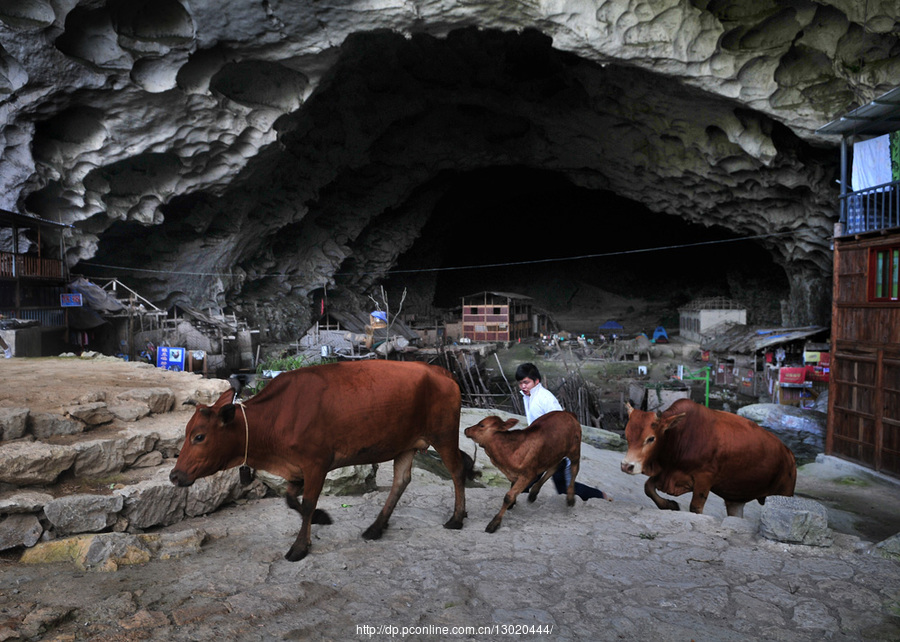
(871, 163)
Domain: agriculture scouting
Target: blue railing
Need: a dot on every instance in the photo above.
(872, 209)
(45, 316)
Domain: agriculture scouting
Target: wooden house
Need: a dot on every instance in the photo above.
(497, 316)
(32, 283)
(864, 393)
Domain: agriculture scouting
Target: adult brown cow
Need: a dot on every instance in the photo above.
(309, 421)
(522, 455)
(692, 448)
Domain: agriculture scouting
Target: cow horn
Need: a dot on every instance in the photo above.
(189, 402)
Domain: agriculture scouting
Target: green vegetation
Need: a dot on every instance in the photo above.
(282, 363)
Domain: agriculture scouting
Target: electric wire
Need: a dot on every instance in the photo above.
(454, 268)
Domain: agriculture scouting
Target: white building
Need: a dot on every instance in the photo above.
(700, 318)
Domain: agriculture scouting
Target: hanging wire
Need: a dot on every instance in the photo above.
(458, 267)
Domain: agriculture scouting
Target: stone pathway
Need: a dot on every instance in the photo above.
(597, 571)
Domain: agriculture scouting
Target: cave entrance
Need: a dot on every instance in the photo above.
(578, 251)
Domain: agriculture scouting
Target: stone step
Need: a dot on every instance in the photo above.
(131, 501)
(117, 480)
(100, 452)
(98, 464)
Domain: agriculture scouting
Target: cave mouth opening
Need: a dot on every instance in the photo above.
(533, 232)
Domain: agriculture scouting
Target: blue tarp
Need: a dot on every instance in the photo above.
(660, 332)
(612, 325)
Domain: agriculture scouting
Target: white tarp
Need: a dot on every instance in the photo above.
(871, 163)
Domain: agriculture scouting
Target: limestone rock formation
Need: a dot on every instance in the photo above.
(245, 156)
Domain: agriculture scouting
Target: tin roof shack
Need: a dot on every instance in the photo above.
(700, 319)
(32, 282)
(497, 316)
(213, 344)
(356, 335)
(750, 360)
(100, 324)
(864, 395)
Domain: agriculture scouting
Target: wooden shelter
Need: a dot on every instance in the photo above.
(497, 316)
(744, 358)
(30, 281)
(33, 285)
(864, 394)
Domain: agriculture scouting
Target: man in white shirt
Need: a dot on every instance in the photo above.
(539, 401)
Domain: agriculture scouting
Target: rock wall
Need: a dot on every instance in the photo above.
(244, 155)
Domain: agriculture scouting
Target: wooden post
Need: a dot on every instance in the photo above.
(879, 407)
(836, 336)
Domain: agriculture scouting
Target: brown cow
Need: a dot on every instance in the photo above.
(692, 448)
(522, 455)
(309, 421)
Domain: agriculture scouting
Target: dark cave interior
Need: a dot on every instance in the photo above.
(532, 232)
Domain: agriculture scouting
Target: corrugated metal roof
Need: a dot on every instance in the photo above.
(750, 339)
(27, 220)
(881, 116)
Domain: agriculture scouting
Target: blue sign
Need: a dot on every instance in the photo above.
(170, 358)
(70, 300)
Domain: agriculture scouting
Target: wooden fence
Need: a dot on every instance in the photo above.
(480, 390)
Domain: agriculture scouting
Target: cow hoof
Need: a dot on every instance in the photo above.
(532, 496)
(454, 524)
(321, 517)
(570, 502)
(373, 532)
(673, 505)
(296, 555)
(493, 526)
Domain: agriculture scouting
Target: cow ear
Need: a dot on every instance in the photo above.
(226, 414)
(509, 423)
(671, 422)
(629, 408)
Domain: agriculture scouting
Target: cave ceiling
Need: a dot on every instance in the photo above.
(250, 156)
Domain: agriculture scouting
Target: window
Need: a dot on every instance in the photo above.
(884, 274)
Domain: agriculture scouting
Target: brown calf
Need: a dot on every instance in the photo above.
(523, 455)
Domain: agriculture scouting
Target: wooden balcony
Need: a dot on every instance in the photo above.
(871, 210)
(23, 266)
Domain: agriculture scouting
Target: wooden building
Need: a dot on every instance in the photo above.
(864, 393)
(744, 358)
(497, 316)
(32, 280)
